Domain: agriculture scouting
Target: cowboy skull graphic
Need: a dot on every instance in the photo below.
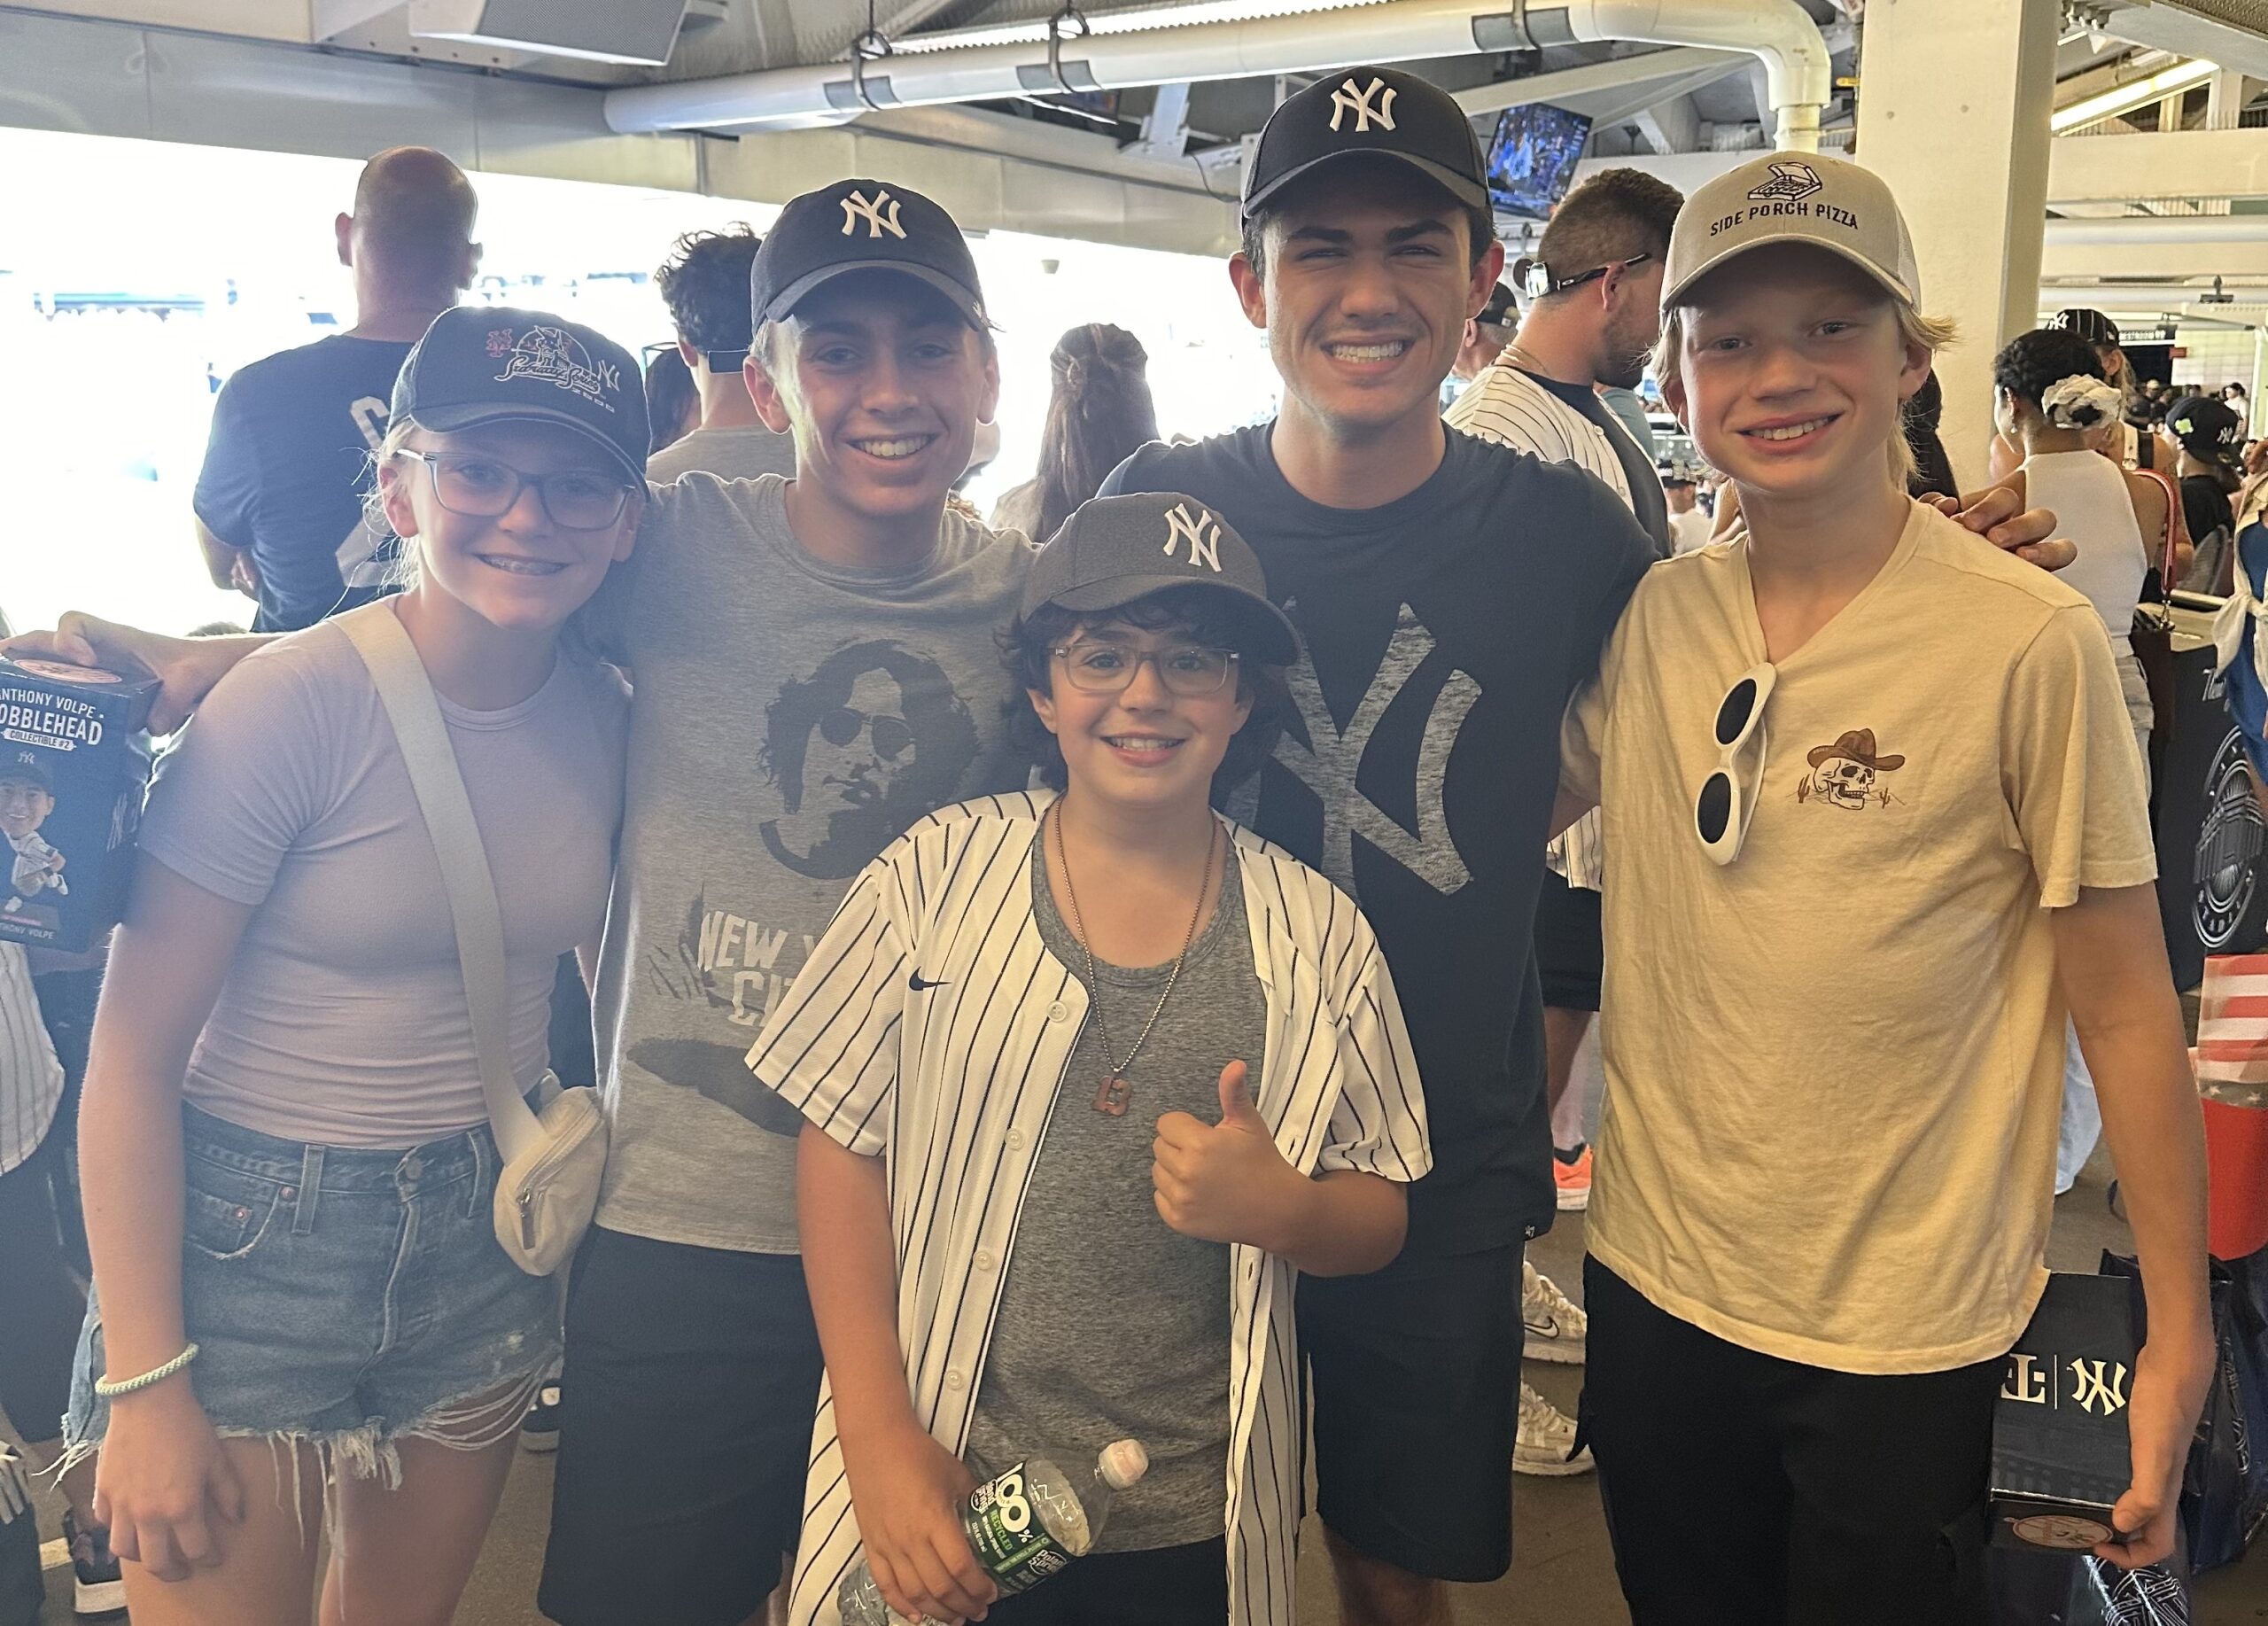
(1845, 774)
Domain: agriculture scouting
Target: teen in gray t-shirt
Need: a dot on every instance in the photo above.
(790, 720)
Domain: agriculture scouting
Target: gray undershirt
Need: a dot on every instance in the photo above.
(1112, 1325)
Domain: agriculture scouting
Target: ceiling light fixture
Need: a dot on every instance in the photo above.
(2125, 99)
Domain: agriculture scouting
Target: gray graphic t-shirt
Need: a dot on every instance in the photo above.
(790, 720)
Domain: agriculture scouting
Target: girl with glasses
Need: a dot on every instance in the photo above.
(1090, 1074)
(299, 1291)
(1874, 820)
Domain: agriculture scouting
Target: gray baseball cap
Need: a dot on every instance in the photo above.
(1829, 203)
(1117, 549)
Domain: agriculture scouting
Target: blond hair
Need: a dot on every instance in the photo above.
(1914, 330)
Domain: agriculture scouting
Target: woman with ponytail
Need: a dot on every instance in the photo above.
(1100, 414)
(2052, 401)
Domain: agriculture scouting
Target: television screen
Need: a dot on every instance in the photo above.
(1532, 159)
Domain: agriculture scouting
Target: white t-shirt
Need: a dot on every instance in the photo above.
(343, 1020)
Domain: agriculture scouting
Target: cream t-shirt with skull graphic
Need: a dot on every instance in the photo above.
(1834, 1066)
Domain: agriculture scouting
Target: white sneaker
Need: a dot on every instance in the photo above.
(1547, 1437)
(1557, 1330)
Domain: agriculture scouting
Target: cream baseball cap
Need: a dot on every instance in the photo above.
(1793, 197)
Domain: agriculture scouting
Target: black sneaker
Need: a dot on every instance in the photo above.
(539, 1428)
(97, 1590)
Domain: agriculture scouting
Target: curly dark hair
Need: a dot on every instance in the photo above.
(1209, 616)
(2032, 363)
(704, 283)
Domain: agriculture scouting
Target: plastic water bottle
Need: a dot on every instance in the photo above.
(1023, 1526)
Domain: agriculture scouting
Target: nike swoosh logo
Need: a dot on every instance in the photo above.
(913, 981)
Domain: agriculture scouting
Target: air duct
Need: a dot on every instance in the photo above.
(1778, 33)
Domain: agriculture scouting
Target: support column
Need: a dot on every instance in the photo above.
(1954, 102)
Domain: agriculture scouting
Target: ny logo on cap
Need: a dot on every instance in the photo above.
(1348, 98)
(1201, 532)
(881, 215)
(1790, 184)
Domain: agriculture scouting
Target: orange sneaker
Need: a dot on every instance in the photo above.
(1574, 1178)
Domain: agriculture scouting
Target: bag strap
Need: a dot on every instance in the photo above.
(2172, 514)
(407, 693)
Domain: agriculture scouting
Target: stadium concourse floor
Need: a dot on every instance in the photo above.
(1562, 1575)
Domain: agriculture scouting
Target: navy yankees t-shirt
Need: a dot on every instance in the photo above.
(285, 469)
(1445, 633)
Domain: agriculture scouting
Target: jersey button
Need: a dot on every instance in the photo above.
(1059, 1012)
(984, 1259)
(1015, 1138)
(953, 1380)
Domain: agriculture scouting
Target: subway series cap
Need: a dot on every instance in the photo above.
(1793, 197)
(862, 226)
(494, 364)
(1114, 550)
(1379, 111)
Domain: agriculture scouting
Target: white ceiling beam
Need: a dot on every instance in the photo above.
(2178, 163)
(2168, 28)
(328, 18)
(1674, 126)
(1645, 67)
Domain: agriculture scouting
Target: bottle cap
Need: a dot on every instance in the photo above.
(1122, 1463)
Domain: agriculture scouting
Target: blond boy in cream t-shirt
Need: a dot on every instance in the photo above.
(1875, 819)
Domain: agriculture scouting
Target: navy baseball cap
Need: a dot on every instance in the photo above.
(862, 226)
(494, 364)
(27, 766)
(1379, 111)
(1502, 309)
(2206, 427)
(2091, 326)
(1114, 550)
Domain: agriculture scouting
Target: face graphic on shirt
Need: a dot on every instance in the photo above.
(867, 743)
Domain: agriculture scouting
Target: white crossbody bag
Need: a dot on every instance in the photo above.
(553, 1160)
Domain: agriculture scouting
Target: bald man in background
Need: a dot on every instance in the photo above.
(278, 503)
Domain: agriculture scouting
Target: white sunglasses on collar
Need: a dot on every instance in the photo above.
(1727, 797)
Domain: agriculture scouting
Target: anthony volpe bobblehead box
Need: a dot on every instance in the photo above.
(2060, 1457)
(73, 763)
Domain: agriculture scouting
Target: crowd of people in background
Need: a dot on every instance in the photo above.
(1118, 971)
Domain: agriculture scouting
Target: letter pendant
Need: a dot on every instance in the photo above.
(1110, 1101)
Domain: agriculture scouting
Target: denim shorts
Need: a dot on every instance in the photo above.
(345, 1297)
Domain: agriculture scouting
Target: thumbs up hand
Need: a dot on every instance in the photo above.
(1225, 1182)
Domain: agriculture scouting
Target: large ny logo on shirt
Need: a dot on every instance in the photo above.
(1329, 763)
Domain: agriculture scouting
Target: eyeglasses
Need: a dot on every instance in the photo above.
(1187, 670)
(1727, 798)
(483, 488)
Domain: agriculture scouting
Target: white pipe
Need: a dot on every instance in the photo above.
(1778, 32)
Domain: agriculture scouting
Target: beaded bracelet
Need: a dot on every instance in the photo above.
(109, 1390)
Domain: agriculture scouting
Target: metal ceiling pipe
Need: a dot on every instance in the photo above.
(1778, 33)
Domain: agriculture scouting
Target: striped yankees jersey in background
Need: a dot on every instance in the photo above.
(955, 1080)
(31, 1080)
(1509, 407)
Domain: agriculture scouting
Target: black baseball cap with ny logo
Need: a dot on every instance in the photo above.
(1380, 112)
(862, 226)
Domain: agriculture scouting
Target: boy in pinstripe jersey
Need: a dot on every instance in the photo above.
(1004, 1254)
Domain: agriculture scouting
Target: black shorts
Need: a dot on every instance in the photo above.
(691, 1381)
(1570, 947)
(1166, 1586)
(1743, 1489)
(1416, 1378)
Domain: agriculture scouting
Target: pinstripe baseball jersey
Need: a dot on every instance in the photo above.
(31, 1080)
(932, 1027)
(1513, 408)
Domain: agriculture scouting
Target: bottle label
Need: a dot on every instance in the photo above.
(1010, 1541)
